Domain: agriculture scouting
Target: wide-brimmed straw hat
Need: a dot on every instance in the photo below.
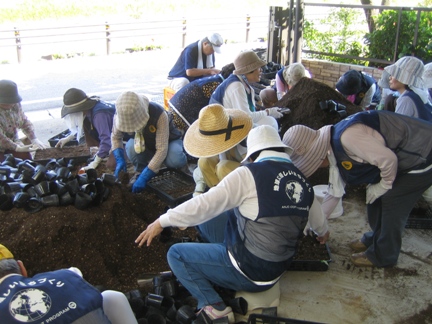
(407, 70)
(9, 92)
(427, 75)
(76, 100)
(264, 137)
(216, 130)
(131, 112)
(246, 62)
(310, 146)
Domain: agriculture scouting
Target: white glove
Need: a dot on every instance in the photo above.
(374, 191)
(65, 140)
(94, 164)
(26, 148)
(37, 143)
(274, 112)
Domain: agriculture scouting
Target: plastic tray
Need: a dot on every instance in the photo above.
(420, 219)
(266, 319)
(54, 140)
(172, 185)
(313, 265)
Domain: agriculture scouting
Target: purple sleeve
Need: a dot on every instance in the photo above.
(103, 123)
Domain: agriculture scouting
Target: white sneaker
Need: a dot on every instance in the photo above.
(213, 313)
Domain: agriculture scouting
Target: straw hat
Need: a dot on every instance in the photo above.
(310, 146)
(9, 92)
(246, 62)
(216, 130)
(76, 100)
(264, 137)
(131, 112)
(427, 75)
(407, 70)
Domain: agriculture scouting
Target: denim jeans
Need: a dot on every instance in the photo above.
(388, 215)
(176, 158)
(200, 265)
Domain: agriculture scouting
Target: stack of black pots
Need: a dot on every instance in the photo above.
(32, 186)
(170, 303)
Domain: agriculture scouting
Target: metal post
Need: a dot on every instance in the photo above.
(108, 40)
(18, 44)
(184, 33)
(247, 27)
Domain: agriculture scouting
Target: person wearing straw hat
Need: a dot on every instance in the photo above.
(406, 78)
(236, 93)
(286, 78)
(60, 296)
(92, 116)
(389, 152)
(262, 207)
(359, 88)
(151, 138)
(12, 119)
(197, 60)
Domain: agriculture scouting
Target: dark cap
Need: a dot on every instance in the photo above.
(350, 83)
(76, 100)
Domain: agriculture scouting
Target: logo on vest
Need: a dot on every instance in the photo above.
(347, 165)
(152, 129)
(294, 191)
(30, 305)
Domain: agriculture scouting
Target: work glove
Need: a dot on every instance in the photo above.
(274, 112)
(120, 161)
(374, 191)
(26, 148)
(141, 182)
(62, 142)
(94, 164)
(38, 144)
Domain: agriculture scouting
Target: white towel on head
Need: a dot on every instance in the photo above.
(209, 58)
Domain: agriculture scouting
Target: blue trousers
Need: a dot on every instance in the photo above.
(388, 215)
(200, 265)
(176, 158)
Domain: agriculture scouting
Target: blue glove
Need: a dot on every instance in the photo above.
(141, 182)
(120, 161)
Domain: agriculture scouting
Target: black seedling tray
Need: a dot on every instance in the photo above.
(420, 219)
(172, 186)
(322, 251)
(54, 140)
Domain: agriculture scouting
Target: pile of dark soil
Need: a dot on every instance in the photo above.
(303, 99)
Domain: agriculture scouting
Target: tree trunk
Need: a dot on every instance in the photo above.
(369, 14)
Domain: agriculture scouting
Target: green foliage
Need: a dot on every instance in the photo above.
(338, 33)
(383, 40)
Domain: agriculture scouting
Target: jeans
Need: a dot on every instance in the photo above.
(176, 158)
(388, 215)
(200, 265)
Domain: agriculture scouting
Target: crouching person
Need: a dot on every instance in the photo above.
(151, 139)
(263, 206)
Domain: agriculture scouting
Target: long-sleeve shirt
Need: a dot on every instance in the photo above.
(237, 189)
(12, 120)
(103, 123)
(161, 143)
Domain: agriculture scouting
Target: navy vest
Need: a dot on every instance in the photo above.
(219, 93)
(263, 247)
(366, 82)
(407, 137)
(149, 131)
(100, 107)
(56, 297)
(424, 111)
